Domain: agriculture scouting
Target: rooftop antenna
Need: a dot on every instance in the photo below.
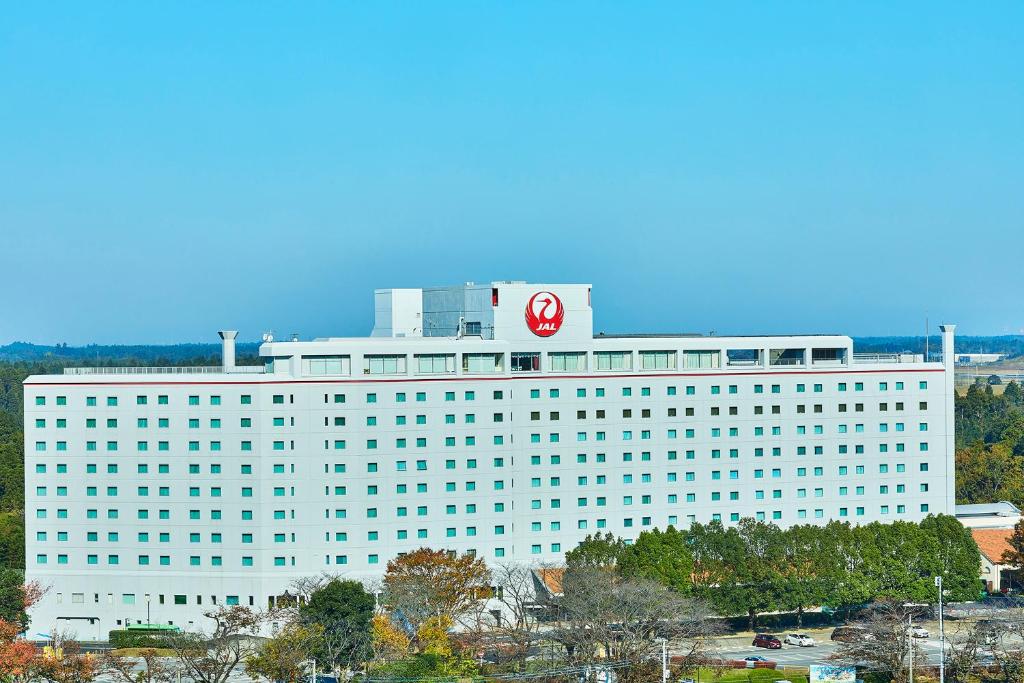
(268, 336)
(295, 336)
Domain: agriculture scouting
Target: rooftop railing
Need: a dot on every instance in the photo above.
(888, 358)
(780, 362)
(182, 370)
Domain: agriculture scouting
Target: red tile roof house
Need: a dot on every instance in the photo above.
(992, 543)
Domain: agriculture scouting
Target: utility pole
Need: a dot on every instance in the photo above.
(942, 634)
(910, 641)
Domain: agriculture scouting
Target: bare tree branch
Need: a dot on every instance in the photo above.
(212, 657)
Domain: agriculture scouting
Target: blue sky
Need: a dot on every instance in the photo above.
(168, 169)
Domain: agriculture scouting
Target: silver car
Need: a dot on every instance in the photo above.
(799, 639)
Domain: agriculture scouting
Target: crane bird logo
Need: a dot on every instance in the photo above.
(544, 314)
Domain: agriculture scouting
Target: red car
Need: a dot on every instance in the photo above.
(768, 641)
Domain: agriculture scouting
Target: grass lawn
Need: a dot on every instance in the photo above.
(794, 674)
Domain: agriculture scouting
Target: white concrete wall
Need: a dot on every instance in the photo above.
(398, 313)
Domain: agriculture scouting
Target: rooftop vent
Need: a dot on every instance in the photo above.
(228, 349)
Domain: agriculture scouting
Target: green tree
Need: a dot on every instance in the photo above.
(12, 540)
(663, 556)
(1014, 557)
(12, 597)
(901, 560)
(596, 551)
(716, 552)
(343, 609)
(807, 568)
(758, 579)
(283, 658)
(987, 473)
(958, 556)
(849, 583)
(736, 569)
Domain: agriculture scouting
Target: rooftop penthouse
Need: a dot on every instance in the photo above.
(505, 328)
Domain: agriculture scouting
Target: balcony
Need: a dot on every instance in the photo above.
(743, 358)
(786, 358)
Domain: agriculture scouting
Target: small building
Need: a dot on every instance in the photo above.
(998, 577)
(547, 583)
(1001, 515)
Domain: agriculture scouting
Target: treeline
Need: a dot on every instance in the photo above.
(116, 354)
(982, 417)
(12, 467)
(756, 567)
(990, 445)
(1011, 344)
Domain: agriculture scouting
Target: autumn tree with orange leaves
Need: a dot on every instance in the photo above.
(18, 657)
(64, 662)
(434, 584)
(424, 594)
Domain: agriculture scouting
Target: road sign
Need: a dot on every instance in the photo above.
(822, 673)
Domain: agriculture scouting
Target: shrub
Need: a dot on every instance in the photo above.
(121, 638)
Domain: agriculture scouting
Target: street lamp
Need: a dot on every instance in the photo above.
(910, 638)
(942, 635)
(149, 621)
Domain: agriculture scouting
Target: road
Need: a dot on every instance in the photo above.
(738, 647)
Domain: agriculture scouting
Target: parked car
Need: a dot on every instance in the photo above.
(799, 639)
(753, 662)
(767, 640)
(919, 632)
(851, 634)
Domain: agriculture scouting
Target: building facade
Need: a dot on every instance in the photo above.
(484, 419)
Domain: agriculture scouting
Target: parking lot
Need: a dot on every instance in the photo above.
(738, 647)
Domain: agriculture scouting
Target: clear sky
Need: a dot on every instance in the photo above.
(168, 169)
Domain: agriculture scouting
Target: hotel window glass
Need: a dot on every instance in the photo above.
(483, 363)
(657, 360)
(696, 360)
(568, 361)
(435, 363)
(525, 362)
(384, 364)
(327, 365)
(613, 360)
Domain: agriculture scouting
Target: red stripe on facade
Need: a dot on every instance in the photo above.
(488, 378)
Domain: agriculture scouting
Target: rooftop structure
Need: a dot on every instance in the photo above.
(1001, 515)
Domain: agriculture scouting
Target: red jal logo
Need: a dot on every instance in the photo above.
(544, 314)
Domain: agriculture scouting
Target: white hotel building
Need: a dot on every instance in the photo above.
(480, 418)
